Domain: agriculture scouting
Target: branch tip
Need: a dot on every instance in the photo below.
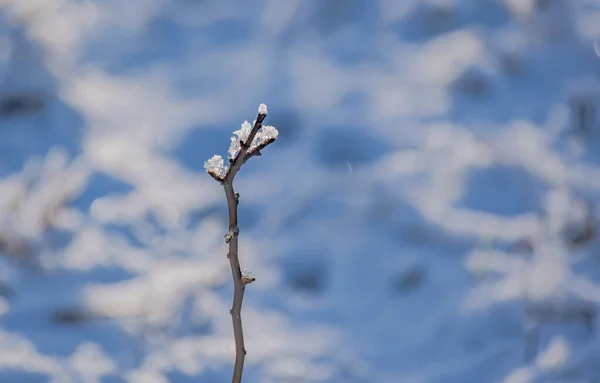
(262, 110)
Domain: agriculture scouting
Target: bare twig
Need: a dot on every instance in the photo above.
(240, 279)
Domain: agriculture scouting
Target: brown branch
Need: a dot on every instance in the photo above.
(215, 176)
(231, 238)
(256, 151)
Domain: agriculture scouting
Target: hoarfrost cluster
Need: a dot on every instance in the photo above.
(262, 109)
(215, 165)
(266, 135)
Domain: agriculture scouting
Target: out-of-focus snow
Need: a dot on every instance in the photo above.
(414, 267)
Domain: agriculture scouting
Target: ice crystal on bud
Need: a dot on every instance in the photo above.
(264, 136)
(247, 276)
(247, 273)
(216, 166)
(267, 133)
(239, 135)
(262, 109)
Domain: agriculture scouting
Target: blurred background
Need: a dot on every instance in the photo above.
(428, 213)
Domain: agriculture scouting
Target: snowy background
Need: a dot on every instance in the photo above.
(427, 212)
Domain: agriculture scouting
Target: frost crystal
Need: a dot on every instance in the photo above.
(242, 135)
(262, 109)
(247, 273)
(247, 277)
(266, 135)
(216, 166)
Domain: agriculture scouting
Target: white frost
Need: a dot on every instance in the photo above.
(262, 109)
(266, 133)
(216, 165)
(239, 135)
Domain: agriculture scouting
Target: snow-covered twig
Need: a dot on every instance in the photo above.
(248, 143)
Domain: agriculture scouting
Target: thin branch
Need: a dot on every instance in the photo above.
(256, 151)
(240, 280)
(241, 157)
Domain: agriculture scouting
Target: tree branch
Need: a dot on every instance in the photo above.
(231, 238)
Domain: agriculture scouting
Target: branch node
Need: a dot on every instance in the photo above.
(216, 177)
(233, 232)
(237, 198)
(247, 277)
